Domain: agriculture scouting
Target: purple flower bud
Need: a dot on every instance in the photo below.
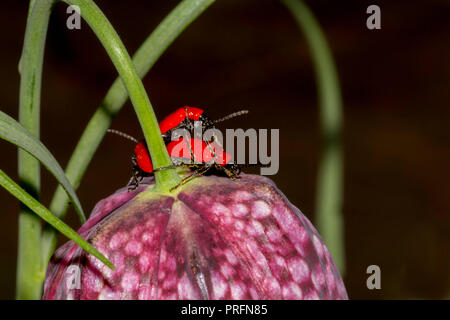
(215, 239)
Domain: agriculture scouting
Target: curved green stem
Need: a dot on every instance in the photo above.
(29, 274)
(330, 179)
(145, 57)
(165, 179)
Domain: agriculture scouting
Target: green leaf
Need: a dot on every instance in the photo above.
(13, 132)
(43, 212)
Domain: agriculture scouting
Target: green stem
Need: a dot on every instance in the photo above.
(165, 179)
(145, 57)
(330, 177)
(29, 274)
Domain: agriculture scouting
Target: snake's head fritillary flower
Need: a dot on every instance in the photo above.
(213, 239)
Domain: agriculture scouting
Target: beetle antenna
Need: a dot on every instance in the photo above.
(123, 135)
(232, 115)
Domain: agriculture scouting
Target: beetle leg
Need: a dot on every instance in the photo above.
(191, 152)
(135, 179)
(231, 174)
(196, 173)
(213, 151)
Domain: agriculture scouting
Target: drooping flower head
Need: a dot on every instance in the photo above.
(213, 239)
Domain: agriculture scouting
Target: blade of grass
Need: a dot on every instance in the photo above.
(29, 275)
(330, 178)
(34, 205)
(13, 132)
(145, 57)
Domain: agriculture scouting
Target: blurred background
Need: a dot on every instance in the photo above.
(250, 53)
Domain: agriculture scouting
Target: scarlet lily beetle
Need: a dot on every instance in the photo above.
(195, 154)
(185, 117)
(182, 118)
(198, 160)
(201, 157)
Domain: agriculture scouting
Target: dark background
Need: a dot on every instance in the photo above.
(250, 53)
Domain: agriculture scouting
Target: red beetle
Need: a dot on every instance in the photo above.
(197, 151)
(184, 118)
(199, 159)
(196, 154)
(141, 157)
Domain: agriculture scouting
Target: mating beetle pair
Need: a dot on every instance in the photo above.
(195, 153)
